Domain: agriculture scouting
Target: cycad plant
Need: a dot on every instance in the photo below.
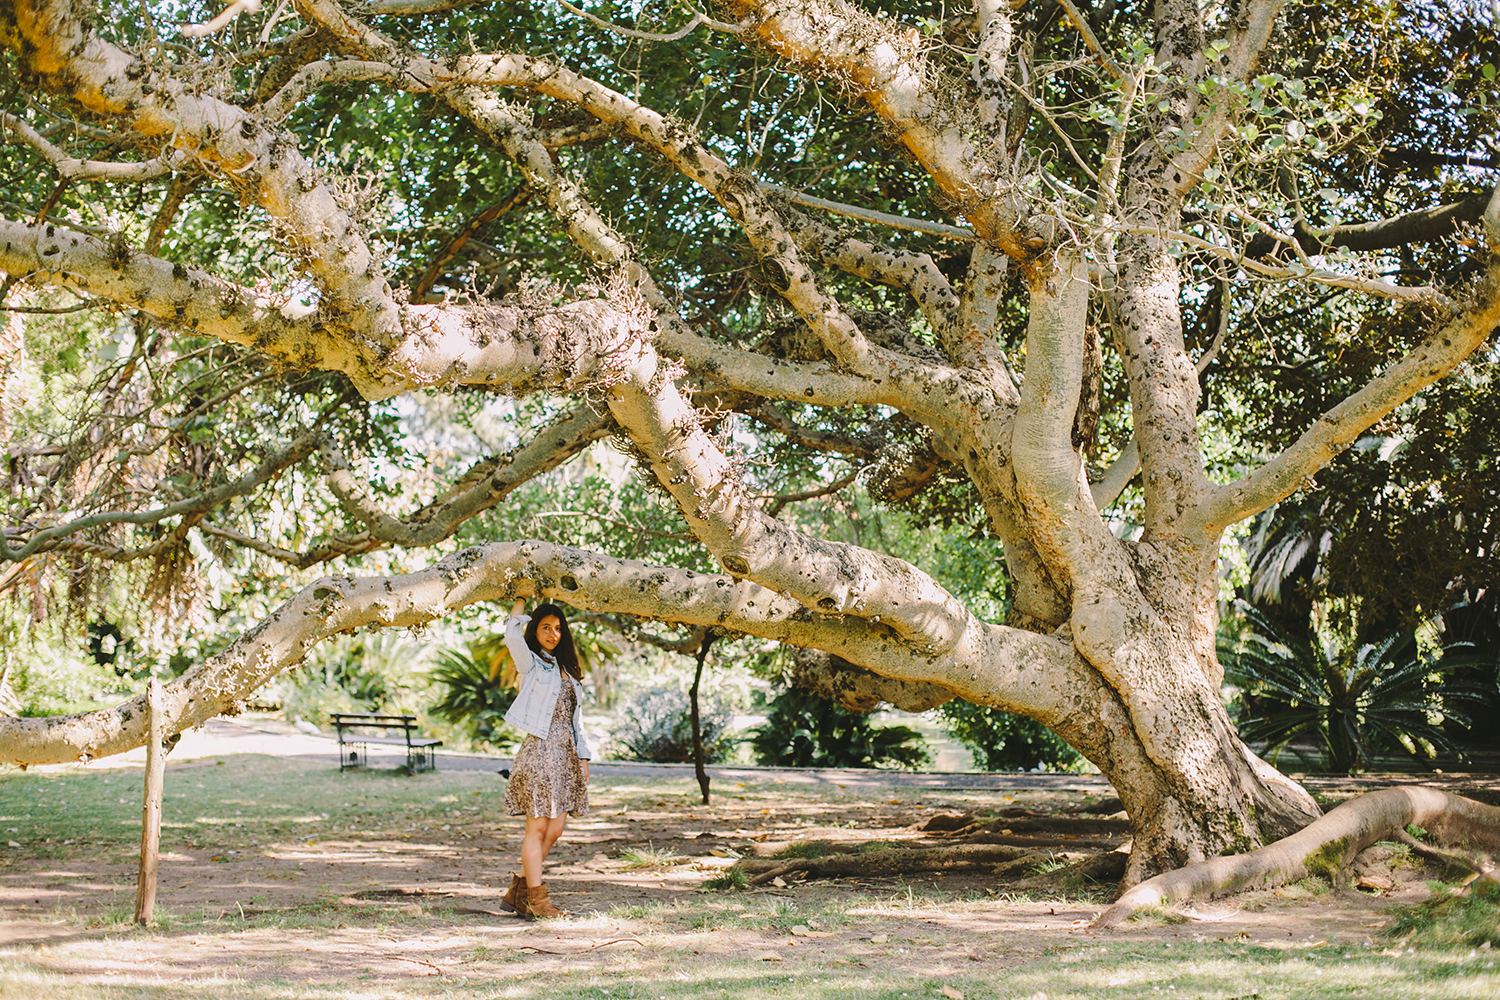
(475, 694)
(656, 726)
(1348, 700)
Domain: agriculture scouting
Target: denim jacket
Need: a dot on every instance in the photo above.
(540, 684)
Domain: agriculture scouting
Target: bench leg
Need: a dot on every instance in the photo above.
(420, 759)
(349, 758)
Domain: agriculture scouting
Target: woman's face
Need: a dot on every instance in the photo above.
(549, 633)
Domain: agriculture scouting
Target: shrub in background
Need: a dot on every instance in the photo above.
(805, 730)
(47, 679)
(1003, 741)
(656, 726)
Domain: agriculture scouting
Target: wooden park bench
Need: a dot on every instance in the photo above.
(355, 731)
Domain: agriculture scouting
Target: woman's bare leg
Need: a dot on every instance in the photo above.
(541, 833)
(554, 830)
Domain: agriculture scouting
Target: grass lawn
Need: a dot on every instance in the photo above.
(284, 879)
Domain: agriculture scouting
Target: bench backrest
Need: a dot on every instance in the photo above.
(346, 720)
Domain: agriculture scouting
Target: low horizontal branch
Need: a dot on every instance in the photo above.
(502, 572)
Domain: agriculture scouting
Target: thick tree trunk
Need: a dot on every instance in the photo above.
(1207, 795)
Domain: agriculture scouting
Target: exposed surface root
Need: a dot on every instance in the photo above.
(1454, 858)
(1324, 847)
(895, 861)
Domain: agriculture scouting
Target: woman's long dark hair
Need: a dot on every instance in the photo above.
(564, 654)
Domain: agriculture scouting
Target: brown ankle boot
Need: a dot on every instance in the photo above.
(537, 905)
(514, 898)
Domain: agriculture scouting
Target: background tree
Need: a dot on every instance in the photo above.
(718, 239)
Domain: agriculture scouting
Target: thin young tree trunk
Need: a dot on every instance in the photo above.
(156, 762)
(698, 768)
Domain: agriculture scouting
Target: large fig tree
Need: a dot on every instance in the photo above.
(986, 257)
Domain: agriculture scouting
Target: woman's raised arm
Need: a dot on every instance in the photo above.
(515, 638)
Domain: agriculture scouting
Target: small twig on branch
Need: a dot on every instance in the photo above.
(809, 437)
(870, 215)
(48, 538)
(1208, 356)
(645, 36)
(47, 311)
(181, 186)
(232, 391)
(1320, 276)
(71, 168)
(779, 503)
(434, 271)
(724, 26)
(1041, 109)
(1075, 16)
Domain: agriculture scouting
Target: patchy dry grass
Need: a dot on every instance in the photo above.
(283, 881)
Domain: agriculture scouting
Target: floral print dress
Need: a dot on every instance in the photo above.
(547, 777)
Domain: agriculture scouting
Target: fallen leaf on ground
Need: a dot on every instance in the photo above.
(878, 939)
(952, 994)
(768, 956)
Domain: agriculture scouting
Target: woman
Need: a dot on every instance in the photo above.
(550, 777)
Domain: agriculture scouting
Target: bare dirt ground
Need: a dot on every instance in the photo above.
(397, 880)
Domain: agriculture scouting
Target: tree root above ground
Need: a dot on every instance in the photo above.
(892, 861)
(1324, 847)
(1008, 862)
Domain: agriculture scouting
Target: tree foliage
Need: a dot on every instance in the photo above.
(1001, 741)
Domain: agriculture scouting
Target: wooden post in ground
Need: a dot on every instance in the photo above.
(156, 764)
